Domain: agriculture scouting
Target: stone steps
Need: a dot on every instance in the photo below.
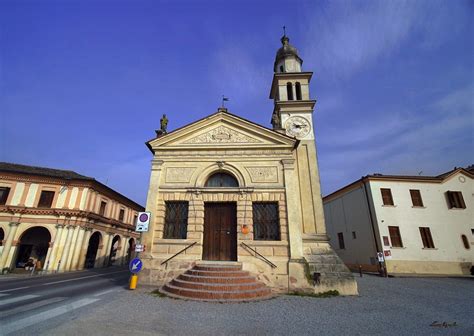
(217, 282)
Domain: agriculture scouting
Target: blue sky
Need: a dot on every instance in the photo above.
(83, 84)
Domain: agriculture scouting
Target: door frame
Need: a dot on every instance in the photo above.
(207, 247)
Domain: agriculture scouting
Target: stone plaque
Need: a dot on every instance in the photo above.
(179, 174)
(263, 174)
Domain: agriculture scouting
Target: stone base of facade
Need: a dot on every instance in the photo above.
(325, 270)
(294, 275)
(409, 267)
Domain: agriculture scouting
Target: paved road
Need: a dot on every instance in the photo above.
(393, 306)
(31, 305)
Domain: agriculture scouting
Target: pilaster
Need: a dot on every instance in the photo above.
(5, 261)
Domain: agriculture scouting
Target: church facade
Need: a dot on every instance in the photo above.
(225, 189)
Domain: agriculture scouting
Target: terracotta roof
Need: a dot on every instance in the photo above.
(33, 170)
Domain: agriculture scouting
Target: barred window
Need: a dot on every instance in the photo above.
(176, 220)
(266, 224)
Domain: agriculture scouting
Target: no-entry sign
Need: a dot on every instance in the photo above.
(143, 220)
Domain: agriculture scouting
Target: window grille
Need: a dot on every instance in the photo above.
(266, 224)
(176, 220)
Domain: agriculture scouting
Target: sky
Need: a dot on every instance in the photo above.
(83, 84)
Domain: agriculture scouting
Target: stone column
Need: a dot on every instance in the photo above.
(51, 262)
(107, 254)
(293, 209)
(48, 255)
(72, 248)
(102, 253)
(77, 249)
(64, 255)
(9, 249)
(123, 251)
(83, 250)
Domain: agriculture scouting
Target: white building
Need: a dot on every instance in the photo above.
(423, 224)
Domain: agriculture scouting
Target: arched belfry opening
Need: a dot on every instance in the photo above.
(298, 90)
(221, 180)
(289, 90)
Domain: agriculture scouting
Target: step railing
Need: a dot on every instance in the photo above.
(178, 253)
(261, 256)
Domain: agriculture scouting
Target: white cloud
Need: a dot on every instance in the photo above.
(404, 143)
(345, 37)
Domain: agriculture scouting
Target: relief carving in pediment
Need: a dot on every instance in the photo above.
(222, 134)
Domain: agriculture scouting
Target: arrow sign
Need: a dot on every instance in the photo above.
(135, 265)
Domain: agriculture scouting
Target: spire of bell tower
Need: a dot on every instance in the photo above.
(287, 59)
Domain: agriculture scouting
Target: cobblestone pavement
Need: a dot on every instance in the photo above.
(386, 306)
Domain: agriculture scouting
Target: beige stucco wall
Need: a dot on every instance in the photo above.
(446, 225)
(349, 212)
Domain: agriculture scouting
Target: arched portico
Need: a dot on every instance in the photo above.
(94, 242)
(33, 246)
(130, 250)
(2, 238)
(114, 248)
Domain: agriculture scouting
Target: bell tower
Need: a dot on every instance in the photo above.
(310, 252)
(293, 115)
(293, 107)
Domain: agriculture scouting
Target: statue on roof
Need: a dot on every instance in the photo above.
(276, 121)
(163, 123)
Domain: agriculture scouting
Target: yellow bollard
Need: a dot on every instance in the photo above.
(133, 281)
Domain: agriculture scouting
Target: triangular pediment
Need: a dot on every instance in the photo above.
(222, 130)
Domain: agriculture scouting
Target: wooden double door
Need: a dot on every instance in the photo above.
(220, 232)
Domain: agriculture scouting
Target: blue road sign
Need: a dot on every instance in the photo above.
(135, 265)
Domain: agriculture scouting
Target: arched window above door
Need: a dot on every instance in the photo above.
(221, 180)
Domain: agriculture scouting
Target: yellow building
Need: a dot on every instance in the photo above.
(226, 193)
(62, 219)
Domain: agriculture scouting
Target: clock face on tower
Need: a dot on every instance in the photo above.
(298, 127)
